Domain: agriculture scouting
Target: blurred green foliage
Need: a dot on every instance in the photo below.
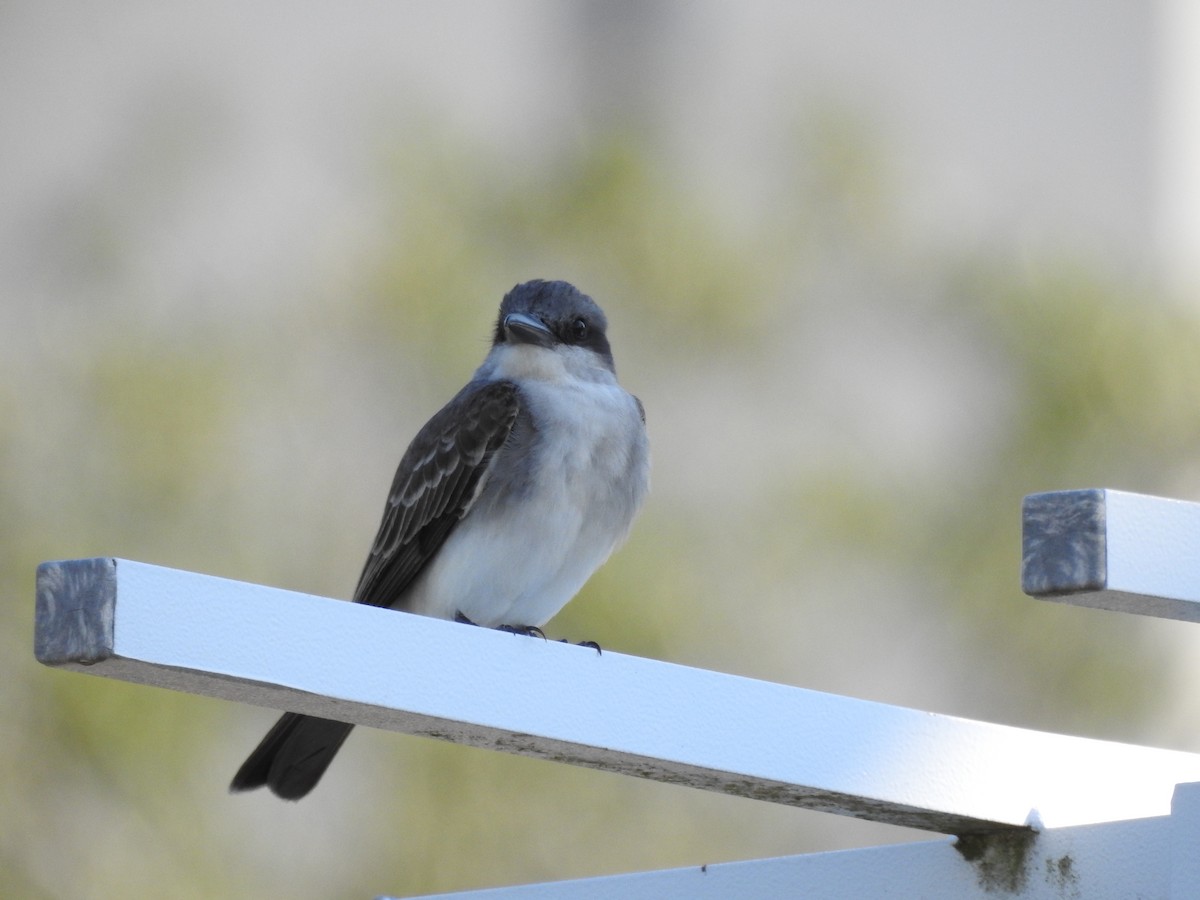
(844, 426)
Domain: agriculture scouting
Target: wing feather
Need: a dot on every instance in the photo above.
(436, 482)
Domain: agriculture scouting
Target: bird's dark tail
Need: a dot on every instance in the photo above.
(293, 756)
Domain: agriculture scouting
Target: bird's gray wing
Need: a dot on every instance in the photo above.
(436, 483)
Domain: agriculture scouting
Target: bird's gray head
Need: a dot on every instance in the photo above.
(553, 314)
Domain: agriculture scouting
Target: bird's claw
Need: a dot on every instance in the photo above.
(525, 630)
(591, 644)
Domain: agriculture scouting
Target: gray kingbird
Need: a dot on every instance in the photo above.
(505, 503)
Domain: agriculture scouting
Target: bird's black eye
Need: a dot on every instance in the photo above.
(580, 330)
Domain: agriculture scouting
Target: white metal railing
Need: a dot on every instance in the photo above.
(1020, 801)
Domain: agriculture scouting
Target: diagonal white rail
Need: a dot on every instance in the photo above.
(1113, 550)
(377, 667)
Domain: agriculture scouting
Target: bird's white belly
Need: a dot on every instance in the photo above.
(518, 574)
(518, 563)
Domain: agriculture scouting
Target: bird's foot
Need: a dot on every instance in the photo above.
(525, 630)
(591, 644)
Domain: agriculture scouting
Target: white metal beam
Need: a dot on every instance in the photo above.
(1155, 859)
(377, 667)
(1113, 550)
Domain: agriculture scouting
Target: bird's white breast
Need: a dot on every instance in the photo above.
(558, 500)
